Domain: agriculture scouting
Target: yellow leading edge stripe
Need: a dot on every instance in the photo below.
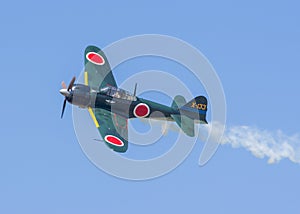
(93, 117)
(86, 82)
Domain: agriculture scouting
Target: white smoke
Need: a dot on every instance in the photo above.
(274, 146)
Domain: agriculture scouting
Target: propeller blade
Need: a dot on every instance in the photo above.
(63, 85)
(66, 94)
(71, 83)
(63, 109)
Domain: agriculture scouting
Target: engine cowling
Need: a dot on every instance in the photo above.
(81, 95)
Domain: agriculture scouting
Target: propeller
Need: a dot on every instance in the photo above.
(71, 83)
(63, 85)
(63, 109)
(64, 91)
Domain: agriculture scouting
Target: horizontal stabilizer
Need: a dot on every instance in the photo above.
(185, 123)
(178, 102)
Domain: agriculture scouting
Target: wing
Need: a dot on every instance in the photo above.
(113, 129)
(97, 68)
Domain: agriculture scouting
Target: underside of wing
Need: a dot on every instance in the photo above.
(113, 129)
(97, 68)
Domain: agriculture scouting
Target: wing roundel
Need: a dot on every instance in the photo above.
(98, 68)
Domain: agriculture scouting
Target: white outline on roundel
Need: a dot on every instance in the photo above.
(141, 104)
(105, 138)
(86, 56)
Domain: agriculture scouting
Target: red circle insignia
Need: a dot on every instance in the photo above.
(95, 58)
(113, 140)
(141, 110)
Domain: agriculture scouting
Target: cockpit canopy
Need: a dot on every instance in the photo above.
(118, 93)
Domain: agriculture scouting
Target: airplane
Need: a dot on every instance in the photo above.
(111, 107)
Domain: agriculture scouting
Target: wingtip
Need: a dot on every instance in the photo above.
(92, 48)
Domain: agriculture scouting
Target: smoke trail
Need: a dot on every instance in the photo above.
(273, 145)
(262, 143)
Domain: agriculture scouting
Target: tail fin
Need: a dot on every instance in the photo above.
(189, 112)
(196, 109)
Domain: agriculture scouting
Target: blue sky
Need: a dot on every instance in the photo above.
(254, 47)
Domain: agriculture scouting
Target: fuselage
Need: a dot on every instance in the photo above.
(120, 102)
(129, 109)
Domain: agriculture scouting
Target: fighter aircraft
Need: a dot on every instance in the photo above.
(111, 107)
